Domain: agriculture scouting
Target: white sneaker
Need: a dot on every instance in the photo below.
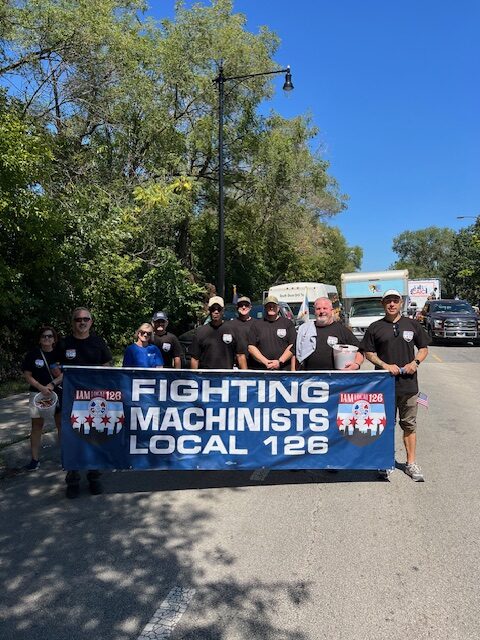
(384, 474)
(414, 471)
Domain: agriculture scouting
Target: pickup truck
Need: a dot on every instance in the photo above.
(450, 320)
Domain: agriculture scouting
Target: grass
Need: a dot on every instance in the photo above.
(12, 387)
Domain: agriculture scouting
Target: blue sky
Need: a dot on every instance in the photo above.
(394, 90)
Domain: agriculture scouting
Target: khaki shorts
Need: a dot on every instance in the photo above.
(407, 408)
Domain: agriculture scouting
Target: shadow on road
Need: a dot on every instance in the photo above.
(98, 567)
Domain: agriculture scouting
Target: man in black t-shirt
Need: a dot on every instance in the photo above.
(270, 340)
(83, 349)
(216, 345)
(316, 339)
(390, 344)
(243, 324)
(168, 343)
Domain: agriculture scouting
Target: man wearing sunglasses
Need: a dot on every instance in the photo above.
(271, 339)
(167, 342)
(243, 324)
(390, 344)
(217, 344)
(83, 348)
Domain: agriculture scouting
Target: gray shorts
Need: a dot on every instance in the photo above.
(407, 408)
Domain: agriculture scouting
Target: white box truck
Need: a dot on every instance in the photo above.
(419, 292)
(362, 296)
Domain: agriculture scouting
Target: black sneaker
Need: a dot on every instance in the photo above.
(95, 487)
(72, 490)
(33, 465)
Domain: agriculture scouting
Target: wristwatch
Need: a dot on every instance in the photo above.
(417, 362)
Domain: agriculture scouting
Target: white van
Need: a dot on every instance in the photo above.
(294, 293)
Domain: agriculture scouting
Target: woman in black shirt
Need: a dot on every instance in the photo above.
(41, 371)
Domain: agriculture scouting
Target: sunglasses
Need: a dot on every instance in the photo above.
(145, 333)
(243, 304)
(395, 329)
(47, 335)
(216, 308)
(81, 319)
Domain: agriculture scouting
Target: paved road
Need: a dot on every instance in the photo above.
(298, 556)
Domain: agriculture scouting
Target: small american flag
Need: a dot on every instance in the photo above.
(422, 399)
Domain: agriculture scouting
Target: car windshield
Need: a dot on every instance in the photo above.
(367, 308)
(452, 307)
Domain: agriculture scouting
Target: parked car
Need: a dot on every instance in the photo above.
(230, 313)
(450, 320)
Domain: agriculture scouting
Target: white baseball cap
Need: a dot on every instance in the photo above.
(391, 292)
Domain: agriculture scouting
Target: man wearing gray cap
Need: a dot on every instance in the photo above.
(217, 344)
(168, 343)
(390, 344)
(271, 339)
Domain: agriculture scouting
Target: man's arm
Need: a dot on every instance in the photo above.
(393, 368)
(177, 362)
(257, 354)
(242, 361)
(411, 367)
(193, 363)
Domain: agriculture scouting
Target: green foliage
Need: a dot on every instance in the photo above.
(462, 270)
(109, 167)
(425, 252)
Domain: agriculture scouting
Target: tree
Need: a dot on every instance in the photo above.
(424, 252)
(462, 270)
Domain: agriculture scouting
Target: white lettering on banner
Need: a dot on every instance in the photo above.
(229, 419)
(235, 390)
(141, 387)
(166, 444)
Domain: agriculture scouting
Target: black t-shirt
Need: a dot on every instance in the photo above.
(35, 363)
(271, 339)
(216, 347)
(84, 352)
(170, 347)
(243, 327)
(397, 349)
(327, 337)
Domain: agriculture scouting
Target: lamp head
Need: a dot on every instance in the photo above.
(287, 85)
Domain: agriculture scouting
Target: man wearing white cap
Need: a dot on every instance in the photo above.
(216, 345)
(270, 340)
(390, 344)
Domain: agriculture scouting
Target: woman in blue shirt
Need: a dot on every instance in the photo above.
(142, 353)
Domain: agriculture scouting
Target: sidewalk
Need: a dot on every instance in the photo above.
(15, 427)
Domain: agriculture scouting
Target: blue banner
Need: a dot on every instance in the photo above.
(116, 418)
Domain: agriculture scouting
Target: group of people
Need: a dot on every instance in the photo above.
(395, 343)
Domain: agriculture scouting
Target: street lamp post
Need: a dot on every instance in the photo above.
(220, 80)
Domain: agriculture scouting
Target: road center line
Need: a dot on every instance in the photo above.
(436, 357)
(168, 615)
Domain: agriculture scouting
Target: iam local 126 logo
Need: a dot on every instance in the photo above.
(361, 417)
(97, 414)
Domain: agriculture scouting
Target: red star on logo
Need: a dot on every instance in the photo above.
(121, 420)
(383, 421)
(105, 419)
(353, 421)
(73, 419)
(89, 420)
(368, 421)
(339, 422)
